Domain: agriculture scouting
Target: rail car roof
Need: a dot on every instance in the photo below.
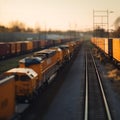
(4, 78)
(31, 60)
(64, 46)
(31, 73)
(58, 48)
(46, 52)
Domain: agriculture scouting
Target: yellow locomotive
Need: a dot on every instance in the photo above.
(37, 70)
(25, 81)
(44, 63)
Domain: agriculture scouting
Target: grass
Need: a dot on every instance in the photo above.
(10, 63)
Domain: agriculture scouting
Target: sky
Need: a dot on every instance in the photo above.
(57, 14)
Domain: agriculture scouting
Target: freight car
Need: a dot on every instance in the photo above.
(110, 47)
(21, 47)
(4, 50)
(7, 97)
(116, 50)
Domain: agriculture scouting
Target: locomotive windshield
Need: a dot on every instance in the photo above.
(22, 77)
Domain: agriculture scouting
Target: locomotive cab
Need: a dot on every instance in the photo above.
(35, 64)
(25, 81)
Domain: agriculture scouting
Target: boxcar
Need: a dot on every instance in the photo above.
(43, 44)
(110, 48)
(36, 44)
(29, 45)
(4, 49)
(101, 44)
(116, 49)
(12, 48)
(106, 45)
(50, 43)
(23, 47)
(57, 42)
(17, 47)
(7, 97)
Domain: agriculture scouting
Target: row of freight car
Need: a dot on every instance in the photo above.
(24, 82)
(110, 47)
(8, 49)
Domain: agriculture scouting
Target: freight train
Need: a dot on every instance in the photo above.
(34, 72)
(110, 47)
(9, 49)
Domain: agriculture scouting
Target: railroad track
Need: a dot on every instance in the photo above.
(96, 105)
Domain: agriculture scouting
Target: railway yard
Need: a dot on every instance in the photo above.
(59, 60)
(86, 86)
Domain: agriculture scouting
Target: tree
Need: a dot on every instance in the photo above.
(29, 29)
(116, 33)
(3, 29)
(100, 32)
(17, 26)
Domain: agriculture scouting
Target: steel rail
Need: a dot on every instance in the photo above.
(86, 89)
(102, 90)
